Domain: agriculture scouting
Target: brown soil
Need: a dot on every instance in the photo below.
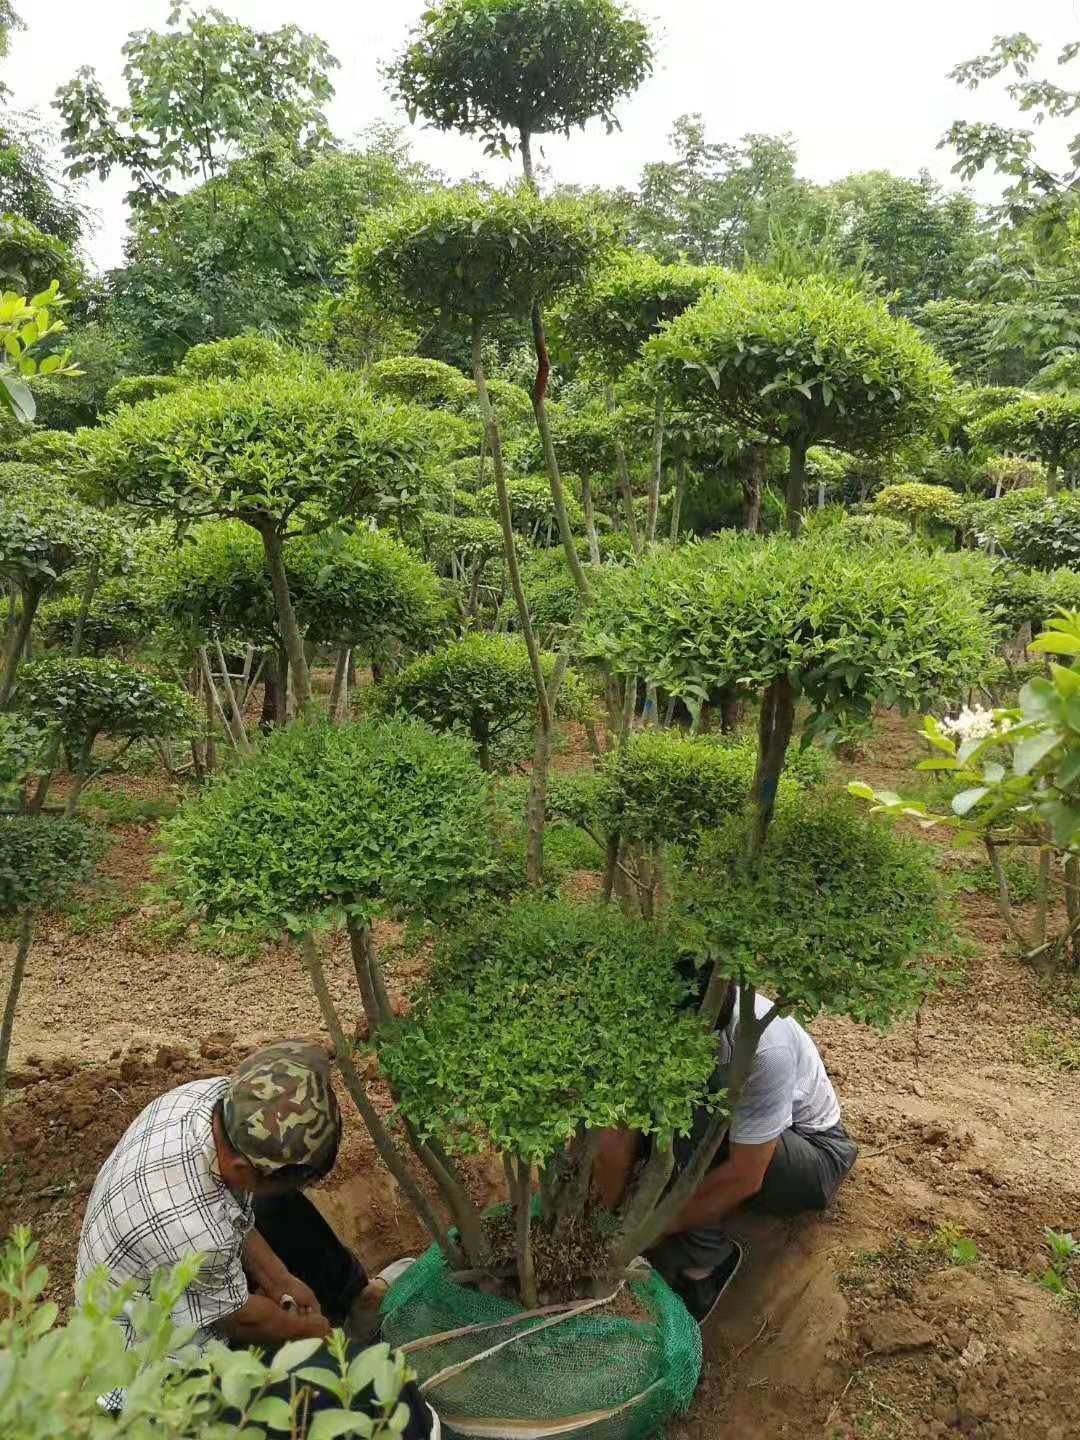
(851, 1325)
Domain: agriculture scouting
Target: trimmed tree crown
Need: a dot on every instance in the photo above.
(476, 254)
(90, 697)
(1045, 427)
(803, 360)
(503, 68)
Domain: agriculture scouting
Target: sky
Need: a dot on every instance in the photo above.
(858, 84)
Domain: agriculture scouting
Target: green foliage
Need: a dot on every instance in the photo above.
(991, 521)
(361, 588)
(544, 1017)
(622, 305)
(918, 503)
(90, 697)
(806, 361)
(1020, 877)
(1059, 376)
(169, 1387)
(837, 917)
(196, 94)
(120, 615)
(962, 331)
(49, 450)
(41, 859)
(265, 447)
(324, 819)
(427, 382)
(134, 388)
(1048, 535)
(31, 260)
(473, 539)
(550, 590)
(584, 443)
(23, 742)
(480, 686)
(26, 325)
(1044, 427)
(44, 533)
(1020, 767)
(75, 396)
(478, 256)
(1050, 1050)
(847, 626)
(238, 358)
(874, 530)
(509, 69)
(532, 509)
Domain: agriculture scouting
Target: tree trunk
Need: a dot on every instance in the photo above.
(535, 817)
(86, 600)
(622, 469)
(677, 499)
(519, 1183)
(339, 692)
(590, 520)
(656, 471)
(18, 972)
(750, 465)
(775, 724)
(1053, 477)
(19, 637)
(551, 463)
(380, 1135)
(796, 487)
(286, 615)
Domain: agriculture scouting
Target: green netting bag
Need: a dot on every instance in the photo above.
(492, 1370)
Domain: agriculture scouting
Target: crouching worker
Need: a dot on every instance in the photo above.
(785, 1152)
(218, 1167)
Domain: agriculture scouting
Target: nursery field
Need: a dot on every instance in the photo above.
(912, 1308)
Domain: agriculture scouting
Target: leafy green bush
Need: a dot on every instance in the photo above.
(473, 538)
(120, 615)
(837, 915)
(1048, 536)
(480, 686)
(238, 358)
(322, 819)
(874, 530)
(41, 859)
(169, 1389)
(544, 1017)
(426, 382)
(1043, 427)
(23, 742)
(990, 522)
(846, 627)
(361, 588)
(135, 388)
(532, 508)
(918, 504)
(90, 697)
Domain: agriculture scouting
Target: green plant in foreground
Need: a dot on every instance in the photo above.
(1064, 1251)
(52, 1375)
(953, 1241)
(1049, 1049)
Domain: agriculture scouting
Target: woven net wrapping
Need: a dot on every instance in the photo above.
(595, 1374)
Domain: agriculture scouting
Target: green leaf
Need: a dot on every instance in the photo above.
(293, 1353)
(968, 799)
(328, 1424)
(1052, 643)
(1035, 748)
(271, 1410)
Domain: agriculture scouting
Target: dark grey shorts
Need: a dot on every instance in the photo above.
(804, 1174)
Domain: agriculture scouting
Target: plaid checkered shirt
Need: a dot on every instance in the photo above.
(158, 1198)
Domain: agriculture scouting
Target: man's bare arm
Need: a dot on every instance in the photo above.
(725, 1188)
(261, 1321)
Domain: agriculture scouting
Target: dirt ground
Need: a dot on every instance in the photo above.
(855, 1325)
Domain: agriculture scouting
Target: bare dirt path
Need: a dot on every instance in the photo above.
(856, 1325)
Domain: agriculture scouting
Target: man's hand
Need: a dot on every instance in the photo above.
(262, 1321)
(303, 1297)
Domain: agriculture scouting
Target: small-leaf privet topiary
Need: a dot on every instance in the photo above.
(803, 362)
(326, 823)
(483, 257)
(507, 70)
(817, 621)
(87, 698)
(1047, 534)
(920, 504)
(265, 451)
(480, 685)
(135, 388)
(44, 533)
(1042, 427)
(237, 358)
(425, 382)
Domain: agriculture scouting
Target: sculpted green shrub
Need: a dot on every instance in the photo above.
(1047, 536)
(120, 615)
(136, 388)
(532, 509)
(480, 686)
(838, 628)
(920, 504)
(875, 530)
(238, 358)
(426, 382)
(1043, 427)
(803, 362)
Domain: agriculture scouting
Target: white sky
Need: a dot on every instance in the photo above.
(860, 84)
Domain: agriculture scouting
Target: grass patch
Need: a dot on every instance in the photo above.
(117, 807)
(1050, 1050)
(97, 907)
(1021, 875)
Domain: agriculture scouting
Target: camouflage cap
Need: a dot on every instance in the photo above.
(280, 1108)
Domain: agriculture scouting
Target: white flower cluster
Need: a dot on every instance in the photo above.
(973, 723)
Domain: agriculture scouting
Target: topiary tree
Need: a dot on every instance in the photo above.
(118, 618)
(1043, 427)
(134, 388)
(40, 861)
(586, 444)
(803, 362)
(87, 698)
(1047, 534)
(610, 318)
(920, 504)
(327, 824)
(1059, 376)
(238, 358)
(427, 382)
(507, 70)
(837, 628)
(286, 454)
(44, 534)
(532, 512)
(480, 685)
(482, 258)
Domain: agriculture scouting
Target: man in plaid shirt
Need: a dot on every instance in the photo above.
(216, 1167)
